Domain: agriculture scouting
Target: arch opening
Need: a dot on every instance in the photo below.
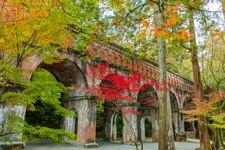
(117, 128)
(111, 118)
(70, 75)
(175, 115)
(44, 114)
(191, 128)
(147, 101)
(148, 128)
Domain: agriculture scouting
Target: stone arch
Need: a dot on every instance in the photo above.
(174, 92)
(117, 127)
(175, 114)
(145, 124)
(185, 98)
(112, 113)
(174, 102)
(147, 96)
(189, 127)
(110, 129)
(31, 63)
(147, 101)
(70, 72)
(47, 117)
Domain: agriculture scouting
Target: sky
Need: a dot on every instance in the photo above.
(214, 8)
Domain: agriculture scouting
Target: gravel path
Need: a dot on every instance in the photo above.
(105, 146)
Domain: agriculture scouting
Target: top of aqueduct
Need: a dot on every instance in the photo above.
(115, 54)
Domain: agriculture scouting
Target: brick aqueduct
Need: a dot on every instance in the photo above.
(70, 72)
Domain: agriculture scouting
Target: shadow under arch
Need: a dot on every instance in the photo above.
(116, 134)
(175, 115)
(190, 128)
(66, 72)
(114, 121)
(146, 126)
(147, 103)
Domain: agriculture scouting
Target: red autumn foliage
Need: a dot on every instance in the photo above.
(116, 87)
(132, 111)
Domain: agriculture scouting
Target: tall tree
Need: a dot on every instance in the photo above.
(203, 131)
(147, 36)
(213, 75)
(165, 124)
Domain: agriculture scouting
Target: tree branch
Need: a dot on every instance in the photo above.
(187, 48)
(136, 8)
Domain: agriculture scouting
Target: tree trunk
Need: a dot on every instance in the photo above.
(218, 139)
(166, 140)
(203, 130)
(218, 133)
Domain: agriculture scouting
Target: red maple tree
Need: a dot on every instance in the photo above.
(116, 86)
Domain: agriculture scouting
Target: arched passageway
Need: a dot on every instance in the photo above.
(191, 128)
(175, 115)
(148, 107)
(146, 128)
(43, 113)
(75, 99)
(117, 128)
(113, 120)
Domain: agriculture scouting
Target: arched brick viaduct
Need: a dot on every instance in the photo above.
(71, 72)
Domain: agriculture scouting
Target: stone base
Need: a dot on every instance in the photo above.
(91, 145)
(13, 147)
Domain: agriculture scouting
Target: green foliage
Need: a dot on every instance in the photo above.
(43, 132)
(100, 107)
(148, 129)
(44, 89)
(119, 124)
(42, 27)
(14, 124)
(17, 125)
(9, 75)
(100, 122)
(132, 24)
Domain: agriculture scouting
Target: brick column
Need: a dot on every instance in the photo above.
(12, 135)
(128, 134)
(86, 128)
(109, 124)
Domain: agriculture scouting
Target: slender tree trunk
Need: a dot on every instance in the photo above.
(218, 133)
(166, 141)
(203, 131)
